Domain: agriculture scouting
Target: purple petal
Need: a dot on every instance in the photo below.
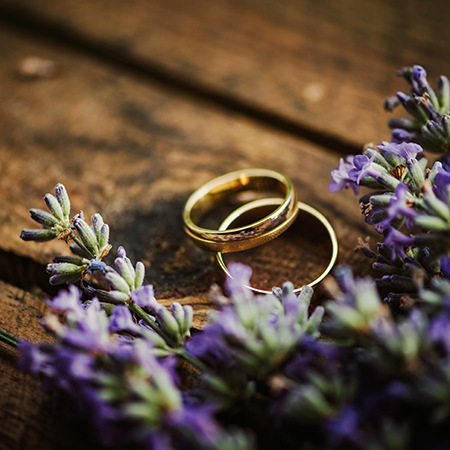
(121, 320)
(145, 297)
(68, 301)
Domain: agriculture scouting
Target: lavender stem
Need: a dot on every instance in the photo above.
(8, 338)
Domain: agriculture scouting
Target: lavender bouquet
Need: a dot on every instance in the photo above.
(369, 370)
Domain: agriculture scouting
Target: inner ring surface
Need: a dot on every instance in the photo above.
(301, 207)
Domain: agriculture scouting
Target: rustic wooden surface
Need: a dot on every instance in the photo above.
(149, 100)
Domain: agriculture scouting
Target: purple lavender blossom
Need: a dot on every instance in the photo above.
(236, 284)
(445, 266)
(400, 206)
(124, 389)
(252, 332)
(362, 167)
(420, 83)
(439, 331)
(126, 279)
(399, 136)
(34, 360)
(429, 109)
(442, 185)
(144, 297)
(341, 178)
(89, 331)
(397, 241)
(68, 301)
(122, 321)
(343, 429)
(407, 150)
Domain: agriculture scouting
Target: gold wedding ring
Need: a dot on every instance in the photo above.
(248, 184)
(302, 207)
(249, 190)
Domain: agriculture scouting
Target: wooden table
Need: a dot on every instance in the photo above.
(150, 99)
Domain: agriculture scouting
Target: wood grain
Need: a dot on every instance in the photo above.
(320, 69)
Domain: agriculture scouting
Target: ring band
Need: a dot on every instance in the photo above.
(301, 207)
(218, 190)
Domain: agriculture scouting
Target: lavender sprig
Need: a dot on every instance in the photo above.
(409, 205)
(111, 366)
(90, 244)
(429, 125)
(56, 222)
(251, 336)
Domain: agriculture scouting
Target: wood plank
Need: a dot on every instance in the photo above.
(322, 69)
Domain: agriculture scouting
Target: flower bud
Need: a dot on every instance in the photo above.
(315, 320)
(188, 317)
(60, 278)
(168, 323)
(69, 259)
(38, 235)
(437, 206)
(43, 217)
(97, 223)
(63, 199)
(431, 223)
(178, 313)
(139, 275)
(115, 296)
(87, 236)
(443, 93)
(124, 270)
(53, 206)
(103, 238)
(117, 282)
(412, 107)
(64, 268)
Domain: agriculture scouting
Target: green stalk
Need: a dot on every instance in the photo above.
(8, 338)
(80, 243)
(192, 359)
(180, 351)
(151, 323)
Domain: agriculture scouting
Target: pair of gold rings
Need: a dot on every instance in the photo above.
(248, 190)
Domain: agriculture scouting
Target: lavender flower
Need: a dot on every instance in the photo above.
(125, 279)
(92, 246)
(121, 385)
(357, 308)
(362, 168)
(370, 169)
(341, 178)
(400, 206)
(397, 241)
(56, 222)
(408, 152)
(90, 242)
(429, 126)
(94, 239)
(252, 335)
(403, 191)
